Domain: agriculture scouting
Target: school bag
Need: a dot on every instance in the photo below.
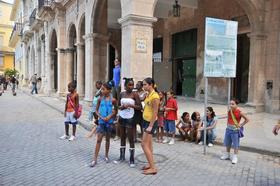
(78, 110)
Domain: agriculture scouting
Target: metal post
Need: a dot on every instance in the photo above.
(229, 92)
(205, 115)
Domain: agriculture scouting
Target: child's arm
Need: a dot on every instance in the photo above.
(114, 112)
(97, 108)
(65, 106)
(246, 119)
(138, 105)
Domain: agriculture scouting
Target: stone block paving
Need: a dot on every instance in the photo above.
(31, 153)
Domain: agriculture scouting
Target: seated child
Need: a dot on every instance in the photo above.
(184, 126)
(196, 125)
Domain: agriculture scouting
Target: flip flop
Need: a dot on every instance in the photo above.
(150, 172)
(145, 167)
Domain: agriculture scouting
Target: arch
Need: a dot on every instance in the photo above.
(71, 35)
(53, 40)
(97, 8)
(81, 28)
(253, 9)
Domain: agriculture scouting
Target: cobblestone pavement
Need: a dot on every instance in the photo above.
(32, 154)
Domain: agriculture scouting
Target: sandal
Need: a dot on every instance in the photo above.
(150, 172)
(146, 167)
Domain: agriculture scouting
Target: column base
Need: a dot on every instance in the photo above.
(258, 107)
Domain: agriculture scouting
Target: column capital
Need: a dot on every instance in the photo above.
(79, 44)
(95, 35)
(257, 35)
(132, 19)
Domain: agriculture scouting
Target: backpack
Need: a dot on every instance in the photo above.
(78, 111)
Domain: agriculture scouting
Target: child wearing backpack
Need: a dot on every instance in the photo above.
(106, 110)
(72, 102)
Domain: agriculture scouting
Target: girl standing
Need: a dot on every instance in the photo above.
(129, 102)
(106, 110)
(149, 124)
(170, 117)
(232, 138)
(71, 105)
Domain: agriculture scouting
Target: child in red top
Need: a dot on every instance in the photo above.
(71, 104)
(170, 117)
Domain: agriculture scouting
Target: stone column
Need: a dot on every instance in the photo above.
(81, 69)
(256, 89)
(24, 65)
(69, 66)
(42, 66)
(137, 46)
(61, 87)
(89, 84)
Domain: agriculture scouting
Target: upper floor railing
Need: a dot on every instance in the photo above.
(42, 3)
(32, 17)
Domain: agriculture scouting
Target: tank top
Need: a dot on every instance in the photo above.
(237, 115)
(105, 109)
(69, 105)
(129, 112)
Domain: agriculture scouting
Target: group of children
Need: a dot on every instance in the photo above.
(105, 109)
(190, 127)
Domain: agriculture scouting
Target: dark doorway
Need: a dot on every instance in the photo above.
(55, 70)
(240, 83)
(184, 46)
(112, 57)
(54, 64)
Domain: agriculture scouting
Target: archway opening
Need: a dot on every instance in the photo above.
(73, 52)
(54, 65)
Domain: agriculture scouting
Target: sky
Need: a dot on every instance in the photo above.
(9, 1)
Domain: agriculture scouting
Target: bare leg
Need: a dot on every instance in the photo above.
(97, 147)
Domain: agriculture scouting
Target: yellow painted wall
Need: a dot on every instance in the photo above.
(6, 27)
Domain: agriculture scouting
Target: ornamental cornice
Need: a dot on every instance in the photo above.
(132, 19)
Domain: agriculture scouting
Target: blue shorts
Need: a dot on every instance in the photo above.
(146, 124)
(231, 138)
(70, 119)
(169, 126)
(104, 129)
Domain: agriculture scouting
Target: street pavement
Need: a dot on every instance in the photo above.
(31, 153)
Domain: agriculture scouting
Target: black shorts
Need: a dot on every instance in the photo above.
(146, 124)
(138, 117)
(127, 123)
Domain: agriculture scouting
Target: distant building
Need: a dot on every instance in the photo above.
(6, 27)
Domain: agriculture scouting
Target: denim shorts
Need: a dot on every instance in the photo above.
(70, 119)
(169, 126)
(146, 125)
(231, 138)
(104, 129)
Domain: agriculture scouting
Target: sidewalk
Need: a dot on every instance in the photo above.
(258, 132)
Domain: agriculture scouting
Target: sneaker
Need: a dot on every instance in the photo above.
(225, 157)
(210, 145)
(166, 140)
(107, 160)
(200, 143)
(64, 137)
(92, 164)
(116, 138)
(72, 138)
(234, 159)
(172, 142)
(132, 165)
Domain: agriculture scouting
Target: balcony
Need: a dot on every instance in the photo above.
(34, 22)
(15, 36)
(45, 9)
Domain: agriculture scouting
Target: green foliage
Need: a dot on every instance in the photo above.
(10, 72)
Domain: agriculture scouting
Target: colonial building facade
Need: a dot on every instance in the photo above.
(67, 40)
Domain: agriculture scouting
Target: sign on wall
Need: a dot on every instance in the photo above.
(141, 45)
(220, 48)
